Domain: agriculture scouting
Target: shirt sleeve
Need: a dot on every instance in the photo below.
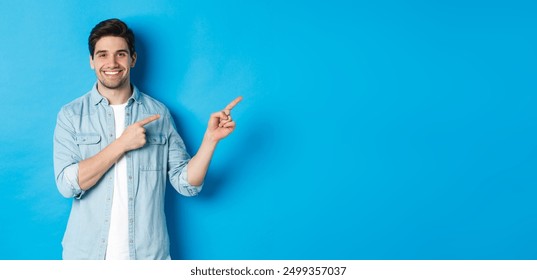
(178, 159)
(66, 157)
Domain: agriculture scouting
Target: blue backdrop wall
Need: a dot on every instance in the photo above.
(368, 130)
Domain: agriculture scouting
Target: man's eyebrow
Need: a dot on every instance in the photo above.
(118, 51)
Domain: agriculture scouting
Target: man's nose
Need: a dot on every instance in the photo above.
(112, 60)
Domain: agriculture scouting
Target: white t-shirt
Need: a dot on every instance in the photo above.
(118, 236)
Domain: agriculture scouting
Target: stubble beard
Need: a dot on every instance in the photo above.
(113, 85)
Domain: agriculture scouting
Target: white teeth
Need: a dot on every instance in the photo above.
(111, 73)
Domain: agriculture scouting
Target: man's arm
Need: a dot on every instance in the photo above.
(219, 127)
(92, 169)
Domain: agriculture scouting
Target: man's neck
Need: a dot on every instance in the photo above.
(115, 96)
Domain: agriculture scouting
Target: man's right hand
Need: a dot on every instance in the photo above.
(133, 136)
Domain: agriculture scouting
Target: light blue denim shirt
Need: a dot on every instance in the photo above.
(84, 127)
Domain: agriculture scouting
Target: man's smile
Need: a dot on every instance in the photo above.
(111, 72)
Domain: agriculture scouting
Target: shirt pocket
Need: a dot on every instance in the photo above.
(88, 144)
(153, 154)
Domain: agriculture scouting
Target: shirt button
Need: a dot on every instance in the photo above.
(130, 177)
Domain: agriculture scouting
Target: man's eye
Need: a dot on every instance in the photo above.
(122, 54)
(101, 55)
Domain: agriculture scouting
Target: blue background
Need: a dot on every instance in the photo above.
(368, 129)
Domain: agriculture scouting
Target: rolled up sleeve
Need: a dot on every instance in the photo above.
(186, 188)
(66, 157)
(178, 159)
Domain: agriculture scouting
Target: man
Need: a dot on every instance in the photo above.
(112, 150)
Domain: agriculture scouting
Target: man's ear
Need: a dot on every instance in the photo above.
(91, 62)
(134, 56)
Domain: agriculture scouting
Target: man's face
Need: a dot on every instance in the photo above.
(112, 62)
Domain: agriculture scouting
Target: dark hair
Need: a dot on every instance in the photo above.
(111, 27)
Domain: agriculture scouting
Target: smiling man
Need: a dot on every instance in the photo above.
(113, 150)
(113, 75)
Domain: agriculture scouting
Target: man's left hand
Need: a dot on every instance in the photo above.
(221, 124)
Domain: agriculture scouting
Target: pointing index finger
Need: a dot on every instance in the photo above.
(233, 103)
(148, 120)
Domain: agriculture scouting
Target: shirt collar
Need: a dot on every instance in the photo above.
(135, 97)
(97, 98)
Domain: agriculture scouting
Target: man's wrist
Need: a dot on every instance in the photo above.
(210, 140)
(119, 146)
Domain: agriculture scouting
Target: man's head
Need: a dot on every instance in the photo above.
(111, 27)
(112, 53)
